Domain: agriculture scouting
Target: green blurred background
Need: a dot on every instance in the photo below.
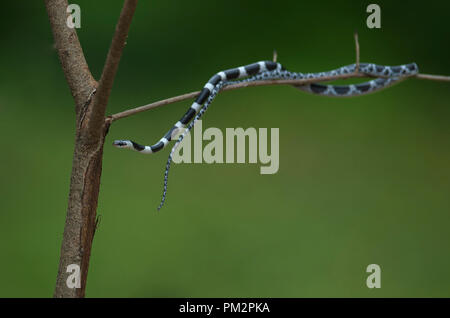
(362, 180)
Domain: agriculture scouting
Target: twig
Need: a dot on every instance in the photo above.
(357, 53)
(179, 98)
(438, 78)
(175, 99)
(152, 105)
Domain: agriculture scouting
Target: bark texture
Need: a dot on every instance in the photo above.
(91, 129)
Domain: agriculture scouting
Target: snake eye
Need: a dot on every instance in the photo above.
(119, 143)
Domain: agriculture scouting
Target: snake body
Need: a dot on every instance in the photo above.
(384, 76)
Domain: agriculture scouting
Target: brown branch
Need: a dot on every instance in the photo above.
(171, 100)
(179, 98)
(70, 53)
(438, 78)
(109, 70)
(357, 53)
(90, 133)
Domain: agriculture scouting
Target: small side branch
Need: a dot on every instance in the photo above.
(357, 53)
(179, 98)
(111, 65)
(438, 78)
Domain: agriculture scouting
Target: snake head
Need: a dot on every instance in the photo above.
(122, 144)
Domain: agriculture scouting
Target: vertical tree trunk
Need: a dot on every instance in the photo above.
(91, 130)
(81, 212)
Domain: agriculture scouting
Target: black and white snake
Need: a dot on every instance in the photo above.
(385, 76)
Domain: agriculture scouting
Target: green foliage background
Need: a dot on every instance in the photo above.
(362, 180)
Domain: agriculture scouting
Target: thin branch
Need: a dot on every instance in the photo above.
(438, 78)
(112, 62)
(179, 98)
(227, 88)
(152, 105)
(357, 53)
(175, 99)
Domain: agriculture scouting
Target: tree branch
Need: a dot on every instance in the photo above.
(90, 134)
(357, 53)
(109, 70)
(179, 98)
(70, 53)
(438, 78)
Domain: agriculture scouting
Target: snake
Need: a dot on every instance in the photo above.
(384, 76)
